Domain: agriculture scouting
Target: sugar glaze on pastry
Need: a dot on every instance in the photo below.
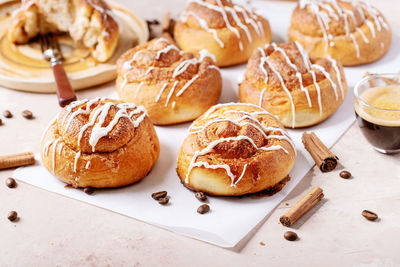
(353, 32)
(301, 91)
(227, 150)
(221, 27)
(93, 143)
(172, 85)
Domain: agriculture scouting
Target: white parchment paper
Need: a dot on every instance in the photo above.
(230, 219)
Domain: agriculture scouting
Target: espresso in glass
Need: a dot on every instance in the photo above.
(377, 107)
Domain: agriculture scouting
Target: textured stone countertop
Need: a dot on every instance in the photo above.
(58, 231)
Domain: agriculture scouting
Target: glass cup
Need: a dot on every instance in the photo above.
(377, 107)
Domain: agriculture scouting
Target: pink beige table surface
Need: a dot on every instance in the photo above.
(58, 231)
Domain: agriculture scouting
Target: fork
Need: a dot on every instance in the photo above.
(51, 52)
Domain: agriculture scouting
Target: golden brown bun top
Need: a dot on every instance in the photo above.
(103, 124)
(271, 60)
(216, 12)
(246, 129)
(164, 58)
(316, 18)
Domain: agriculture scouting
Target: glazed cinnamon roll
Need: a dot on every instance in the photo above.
(100, 143)
(228, 31)
(173, 86)
(301, 91)
(88, 22)
(352, 32)
(235, 149)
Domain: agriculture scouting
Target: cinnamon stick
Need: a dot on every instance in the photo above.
(323, 157)
(16, 160)
(302, 206)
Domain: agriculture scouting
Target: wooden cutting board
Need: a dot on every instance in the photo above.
(22, 67)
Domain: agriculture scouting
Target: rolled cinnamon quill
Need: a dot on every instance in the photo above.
(16, 160)
(323, 157)
(302, 206)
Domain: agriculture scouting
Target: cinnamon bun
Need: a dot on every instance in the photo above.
(100, 143)
(301, 91)
(89, 22)
(173, 86)
(228, 31)
(352, 32)
(235, 149)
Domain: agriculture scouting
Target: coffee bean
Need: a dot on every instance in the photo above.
(369, 215)
(11, 183)
(7, 114)
(1, 122)
(289, 235)
(158, 195)
(345, 174)
(27, 114)
(88, 190)
(203, 209)
(12, 216)
(201, 196)
(163, 200)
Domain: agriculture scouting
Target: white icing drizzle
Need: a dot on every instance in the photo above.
(355, 45)
(223, 11)
(204, 25)
(328, 76)
(187, 85)
(205, 53)
(260, 101)
(138, 88)
(60, 148)
(285, 89)
(87, 166)
(363, 8)
(173, 104)
(47, 128)
(77, 156)
(171, 91)
(161, 91)
(318, 91)
(182, 67)
(54, 153)
(149, 70)
(338, 75)
(166, 50)
(46, 146)
(246, 118)
(362, 35)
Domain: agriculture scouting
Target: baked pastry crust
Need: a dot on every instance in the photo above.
(301, 91)
(228, 31)
(353, 33)
(173, 86)
(235, 149)
(89, 22)
(100, 143)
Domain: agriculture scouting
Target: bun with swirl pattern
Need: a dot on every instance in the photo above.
(88, 22)
(100, 143)
(228, 31)
(301, 91)
(173, 86)
(352, 32)
(235, 149)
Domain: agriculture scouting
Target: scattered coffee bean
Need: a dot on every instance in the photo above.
(369, 215)
(11, 183)
(203, 209)
(262, 243)
(88, 190)
(163, 200)
(345, 174)
(12, 216)
(7, 114)
(201, 196)
(27, 114)
(158, 195)
(1, 122)
(289, 235)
